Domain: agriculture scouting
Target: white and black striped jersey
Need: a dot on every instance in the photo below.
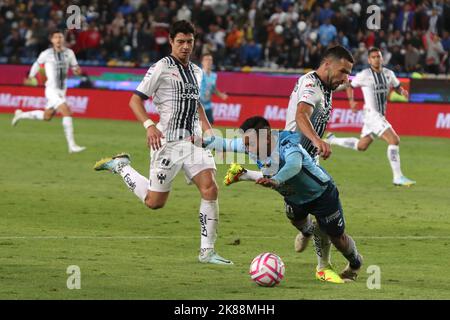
(56, 64)
(176, 92)
(311, 90)
(375, 87)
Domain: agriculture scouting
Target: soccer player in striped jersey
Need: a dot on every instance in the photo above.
(173, 83)
(56, 61)
(376, 82)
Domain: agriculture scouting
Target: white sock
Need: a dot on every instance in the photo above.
(68, 131)
(209, 219)
(134, 181)
(32, 115)
(393, 154)
(251, 175)
(351, 143)
(322, 247)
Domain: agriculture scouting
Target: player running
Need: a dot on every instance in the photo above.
(306, 187)
(56, 61)
(209, 86)
(173, 83)
(376, 83)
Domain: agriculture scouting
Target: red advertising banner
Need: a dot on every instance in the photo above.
(406, 118)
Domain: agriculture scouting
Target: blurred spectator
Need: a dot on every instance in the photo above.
(412, 59)
(250, 54)
(327, 33)
(434, 52)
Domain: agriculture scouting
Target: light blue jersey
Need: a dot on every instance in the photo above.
(300, 179)
(207, 89)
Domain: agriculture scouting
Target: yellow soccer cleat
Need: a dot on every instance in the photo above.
(234, 172)
(327, 274)
(113, 164)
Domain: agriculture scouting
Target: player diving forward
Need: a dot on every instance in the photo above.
(375, 83)
(56, 61)
(308, 114)
(306, 187)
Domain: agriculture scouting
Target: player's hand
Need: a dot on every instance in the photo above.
(224, 96)
(266, 182)
(405, 93)
(154, 137)
(323, 148)
(353, 105)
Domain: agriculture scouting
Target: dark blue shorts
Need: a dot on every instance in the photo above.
(327, 209)
(209, 115)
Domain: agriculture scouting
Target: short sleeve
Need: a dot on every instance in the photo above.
(394, 80)
(42, 57)
(151, 81)
(72, 59)
(358, 80)
(309, 92)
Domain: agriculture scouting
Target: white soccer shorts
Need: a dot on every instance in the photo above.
(166, 162)
(55, 98)
(374, 124)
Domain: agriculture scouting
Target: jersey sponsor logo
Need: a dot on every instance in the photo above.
(275, 113)
(226, 111)
(78, 104)
(443, 121)
(344, 118)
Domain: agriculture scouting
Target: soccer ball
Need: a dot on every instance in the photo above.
(267, 269)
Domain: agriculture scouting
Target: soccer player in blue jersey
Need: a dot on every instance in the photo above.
(305, 186)
(208, 86)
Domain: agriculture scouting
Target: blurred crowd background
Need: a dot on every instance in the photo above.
(272, 34)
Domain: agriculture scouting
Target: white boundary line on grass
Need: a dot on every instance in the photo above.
(188, 237)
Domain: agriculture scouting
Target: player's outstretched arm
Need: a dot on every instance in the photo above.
(351, 100)
(291, 168)
(206, 126)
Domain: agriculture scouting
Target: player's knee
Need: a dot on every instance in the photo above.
(363, 147)
(396, 140)
(154, 205)
(209, 192)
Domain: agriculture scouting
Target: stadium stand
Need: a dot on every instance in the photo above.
(269, 34)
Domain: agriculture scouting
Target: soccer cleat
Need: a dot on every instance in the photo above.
(234, 172)
(210, 256)
(16, 118)
(349, 274)
(403, 181)
(330, 136)
(113, 164)
(301, 242)
(75, 149)
(327, 274)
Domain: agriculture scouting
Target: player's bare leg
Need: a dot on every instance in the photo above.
(346, 245)
(68, 128)
(306, 229)
(393, 154)
(209, 216)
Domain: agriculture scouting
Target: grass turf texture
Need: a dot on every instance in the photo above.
(56, 211)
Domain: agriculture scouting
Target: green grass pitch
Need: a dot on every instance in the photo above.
(55, 211)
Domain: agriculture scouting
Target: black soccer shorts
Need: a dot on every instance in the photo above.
(327, 209)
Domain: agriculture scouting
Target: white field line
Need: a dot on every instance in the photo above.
(91, 237)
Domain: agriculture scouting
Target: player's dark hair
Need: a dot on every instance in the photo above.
(255, 123)
(207, 54)
(181, 26)
(56, 31)
(338, 53)
(374, 49)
